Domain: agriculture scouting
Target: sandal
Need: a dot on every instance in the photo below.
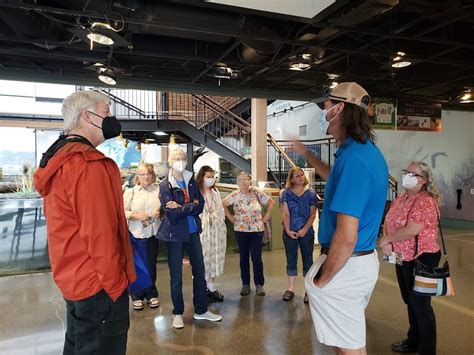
(154, 302)
(288, 295)
(138, 305)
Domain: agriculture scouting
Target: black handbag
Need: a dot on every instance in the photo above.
(433, 281)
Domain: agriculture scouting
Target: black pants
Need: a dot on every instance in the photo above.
(422, 331)
(152, 256)
(97, 325)
(250, 244)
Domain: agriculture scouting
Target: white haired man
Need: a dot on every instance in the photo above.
(89, 247)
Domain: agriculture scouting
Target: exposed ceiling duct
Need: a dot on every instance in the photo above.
(177, 44)
(360, 14)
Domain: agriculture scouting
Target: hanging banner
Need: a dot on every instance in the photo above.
(418, 116)
(382, 113)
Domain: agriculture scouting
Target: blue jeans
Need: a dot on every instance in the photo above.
(306, 245)
(175, 263)
(250, 244)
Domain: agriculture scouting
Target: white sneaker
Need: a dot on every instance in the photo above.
(178, 321)
(212, 317)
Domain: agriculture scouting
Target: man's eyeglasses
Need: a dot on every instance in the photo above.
(411, 173)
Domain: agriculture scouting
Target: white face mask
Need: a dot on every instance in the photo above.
(208, 182)
(179, 165)
(409, 182)
(323, 122)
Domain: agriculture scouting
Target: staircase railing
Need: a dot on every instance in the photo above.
(281, 157)
(132, 104)
(278, 161)
(209, 116)
(212, 115)
(392, 188)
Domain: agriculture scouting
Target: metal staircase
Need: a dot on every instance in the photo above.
(211, 122)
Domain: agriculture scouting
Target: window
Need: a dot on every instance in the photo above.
(302, 130)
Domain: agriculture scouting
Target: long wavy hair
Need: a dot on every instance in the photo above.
(356, 123)
(431, 187)
(200, 177)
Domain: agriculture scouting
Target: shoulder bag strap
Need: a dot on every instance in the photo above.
(440, 232)
(442, 238)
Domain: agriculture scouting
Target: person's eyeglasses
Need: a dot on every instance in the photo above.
(144, 175)
(298, 176)
(410, 173)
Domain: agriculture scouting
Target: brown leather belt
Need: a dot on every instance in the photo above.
(325, 251)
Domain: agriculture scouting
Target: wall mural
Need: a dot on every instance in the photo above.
(458, 201)
(123, 156)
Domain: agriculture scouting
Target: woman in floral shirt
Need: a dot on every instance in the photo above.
(413, 219)
(248, 223)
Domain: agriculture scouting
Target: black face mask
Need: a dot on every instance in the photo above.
(111, 127)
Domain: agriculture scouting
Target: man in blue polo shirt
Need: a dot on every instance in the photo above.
(341, 281)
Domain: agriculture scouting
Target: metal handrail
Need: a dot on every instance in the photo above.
(278, 147)
(123, 102)
(246, 128)
(226, 110)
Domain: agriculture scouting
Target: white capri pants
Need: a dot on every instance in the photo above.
(338, 309)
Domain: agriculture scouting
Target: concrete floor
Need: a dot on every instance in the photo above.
(32, 314)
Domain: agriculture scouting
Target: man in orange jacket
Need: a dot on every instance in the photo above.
(89, 248)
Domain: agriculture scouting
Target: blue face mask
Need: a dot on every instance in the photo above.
(323, 122)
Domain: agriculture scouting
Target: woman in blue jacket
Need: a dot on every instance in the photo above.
(180, 228)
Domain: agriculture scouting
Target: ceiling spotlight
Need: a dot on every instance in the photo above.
(467, 97)
(401, 64)
(97, 33)
(299, 66)
(300, 62)
(107, 79)
(224, 72)
(399, 61)
(107, 76)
